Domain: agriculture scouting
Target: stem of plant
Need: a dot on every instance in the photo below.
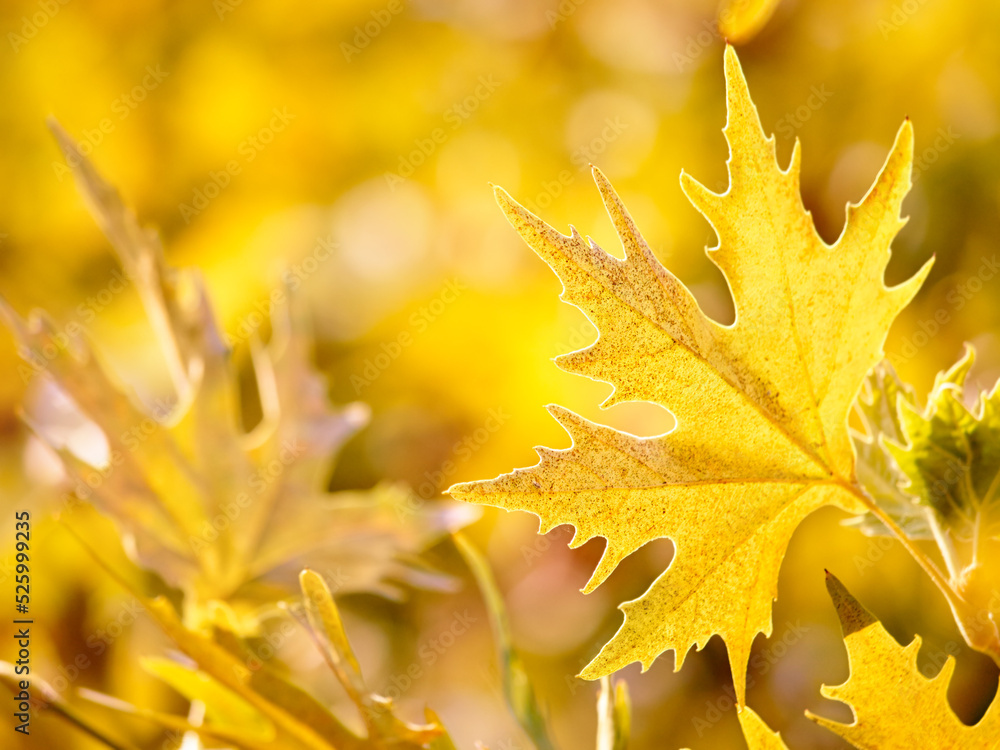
(975, 632)
(945, 545)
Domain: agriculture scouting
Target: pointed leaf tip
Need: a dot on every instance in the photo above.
(853, 616)
(886, 690)
(904, 138)
(733, 68)
(507, 204)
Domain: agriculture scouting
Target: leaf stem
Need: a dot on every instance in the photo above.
(946, 546)
(923, 560)
(979, 635)
(977, 537)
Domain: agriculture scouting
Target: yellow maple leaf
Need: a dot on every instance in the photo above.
(761, 405)
(895, 706)
(759, 735)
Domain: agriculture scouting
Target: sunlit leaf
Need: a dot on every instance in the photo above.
(761, 405)
(758, 735)
(895, 706)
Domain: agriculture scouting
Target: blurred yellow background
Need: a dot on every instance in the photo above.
(350, 147)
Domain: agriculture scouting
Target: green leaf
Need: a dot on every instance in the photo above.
(876, 469)
(951, 454)
(936, 471)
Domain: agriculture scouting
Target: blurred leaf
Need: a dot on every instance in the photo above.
(300, 719)
(442, 741)
(229, 736)
(228, 517)
(517, 686)
(246, 699)
(761, 406)
(895, 706)
(293, 711)
(223, 708)
(741, 20)
(614, 716)
(322, 620)
(54, 701)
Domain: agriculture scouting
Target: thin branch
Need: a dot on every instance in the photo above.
(945, 545)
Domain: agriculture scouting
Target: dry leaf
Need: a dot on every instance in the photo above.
(228, 517)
